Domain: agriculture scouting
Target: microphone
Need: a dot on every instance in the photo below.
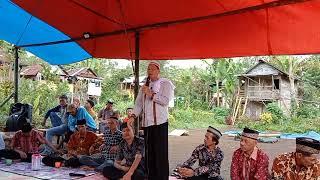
(147, 81)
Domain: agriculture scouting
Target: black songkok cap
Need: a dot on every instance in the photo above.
(307, 145)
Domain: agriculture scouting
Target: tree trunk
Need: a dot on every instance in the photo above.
(294, 102)
(218, 93)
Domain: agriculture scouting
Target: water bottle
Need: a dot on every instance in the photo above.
(35, 162)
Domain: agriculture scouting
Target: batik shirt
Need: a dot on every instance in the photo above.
(285, 168)
(81, 144)
(111, 140)
(253, 167)
(28, 143)
(129, 152)
(209, 161)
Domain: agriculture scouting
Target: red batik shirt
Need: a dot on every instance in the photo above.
(28, 143)
(254, 167)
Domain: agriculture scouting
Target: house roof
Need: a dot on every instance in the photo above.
(82, 72)
(279, 71)
(32, 70)
(130, 80)
(264, 62)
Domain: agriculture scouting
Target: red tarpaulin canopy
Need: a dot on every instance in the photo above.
(184, 29)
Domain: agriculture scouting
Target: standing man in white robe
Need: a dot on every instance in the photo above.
(152, 104)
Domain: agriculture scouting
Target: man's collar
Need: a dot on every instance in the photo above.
(253, 155)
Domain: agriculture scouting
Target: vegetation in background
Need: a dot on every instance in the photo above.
(192, 104)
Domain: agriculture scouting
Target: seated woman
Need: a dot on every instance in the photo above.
(78, 145)
(24, 143)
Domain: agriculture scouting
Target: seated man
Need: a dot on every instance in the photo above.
(249, 162)
(75, 114)
(105, 114)
(79, 113)
(89, 107)
(81, 140)
(299, 165)
(131, 149)
(129, 114)
(209, 156)
(109, 150)
(76, 102)
(24, 143)
(58, 115)
(79, 144)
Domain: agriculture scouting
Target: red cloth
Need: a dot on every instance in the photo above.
(126, 119)
(286, 29)
(258, 168)
(30, 143)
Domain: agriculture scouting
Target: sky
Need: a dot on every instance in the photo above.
(179, 63)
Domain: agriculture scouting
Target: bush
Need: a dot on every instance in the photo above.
(266, 117)
(220, 114)
(277, 114)
(190, 119)
(307, 111)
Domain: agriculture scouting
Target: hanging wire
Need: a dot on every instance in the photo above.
(124, 24)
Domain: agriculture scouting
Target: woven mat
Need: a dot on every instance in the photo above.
(45, 172)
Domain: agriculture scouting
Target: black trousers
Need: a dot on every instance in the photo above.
(156, 152)
(113, 173)
(11, 154)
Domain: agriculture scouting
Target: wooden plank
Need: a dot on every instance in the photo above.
(245, 106)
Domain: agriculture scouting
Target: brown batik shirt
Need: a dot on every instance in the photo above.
(285, 168)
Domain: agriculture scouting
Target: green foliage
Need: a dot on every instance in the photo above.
(308, 111)
(190, 119)
(276, 112)
(294, 125)
(220, 114)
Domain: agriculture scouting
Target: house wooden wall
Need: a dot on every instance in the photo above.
(260, 89)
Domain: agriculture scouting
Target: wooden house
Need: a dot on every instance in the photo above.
(260, 85)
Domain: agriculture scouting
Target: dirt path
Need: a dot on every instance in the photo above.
(180, 148)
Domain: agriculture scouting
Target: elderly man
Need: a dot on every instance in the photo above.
(209, 156)
(24, 143)
(109, 150)
(58, 115)
(249, 162)
(131, 149)
(105, 114)
(300, 165)
(152, 103)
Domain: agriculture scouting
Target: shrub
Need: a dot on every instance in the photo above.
(190, 119)
(220, 114)
(266, 117)
(307, 111)
(277, 114)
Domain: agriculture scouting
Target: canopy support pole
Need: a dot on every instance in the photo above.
(136, 73)
(16, 74)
